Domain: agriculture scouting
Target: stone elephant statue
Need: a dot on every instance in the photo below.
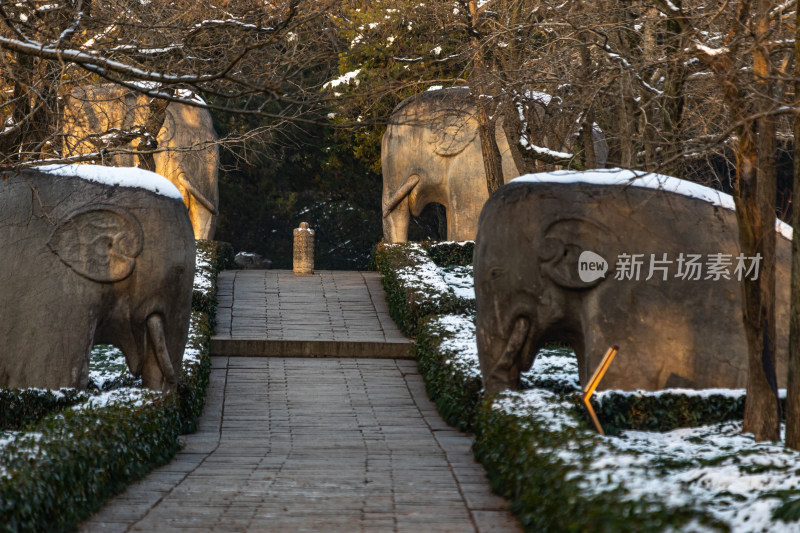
(431, 152)
(86, 257)
(190, 156)
(555, 260)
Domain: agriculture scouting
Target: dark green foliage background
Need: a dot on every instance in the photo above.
(299, 176)
(326, 171)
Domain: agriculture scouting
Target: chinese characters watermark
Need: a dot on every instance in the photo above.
(686, 266)
(689, 267)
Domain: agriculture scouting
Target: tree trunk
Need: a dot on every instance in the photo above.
(673, 98)
(755, 210)
(492, 162)
(757, 236)
(157, 113)
(586, 135)
(626, 122)
(793, 387)
(512, 129)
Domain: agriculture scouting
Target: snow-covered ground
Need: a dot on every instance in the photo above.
(106, 365)
(131, 396)
(717, 468)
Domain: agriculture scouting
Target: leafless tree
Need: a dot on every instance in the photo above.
(246, 56)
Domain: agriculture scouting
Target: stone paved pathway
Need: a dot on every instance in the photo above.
(329, 313)
(291, 444)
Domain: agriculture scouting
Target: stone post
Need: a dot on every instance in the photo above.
(303, 249)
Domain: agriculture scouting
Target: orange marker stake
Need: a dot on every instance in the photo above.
(595, 381)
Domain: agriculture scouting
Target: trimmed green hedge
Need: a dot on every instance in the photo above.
(521, 457)
(20, 408)
(220, 256)
(455, 393)
(72, 461)
(80, 459)
(520, 454)
(450, 253)
(663, 412)
(411, 298)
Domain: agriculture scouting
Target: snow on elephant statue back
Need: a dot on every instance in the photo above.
(97, 260)
(188, 154)
(431, 152)
(556, 259)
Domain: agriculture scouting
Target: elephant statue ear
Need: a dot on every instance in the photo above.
(100, 243)
(571, 253)
(452, 133)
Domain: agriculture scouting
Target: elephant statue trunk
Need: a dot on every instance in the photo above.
(397, 211)
(158, 372)
(399, 195)
(197, 195)
(505, 371)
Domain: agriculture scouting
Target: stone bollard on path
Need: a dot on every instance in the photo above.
(303, 249)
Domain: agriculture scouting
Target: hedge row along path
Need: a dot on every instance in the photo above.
(315, 444)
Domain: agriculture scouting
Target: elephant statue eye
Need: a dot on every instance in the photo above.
(496, 272)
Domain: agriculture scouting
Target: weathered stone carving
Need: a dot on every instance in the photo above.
(673, 332)
(431, 153)
(83, 262)
(303, 249)
(188, 156)
(101, 244)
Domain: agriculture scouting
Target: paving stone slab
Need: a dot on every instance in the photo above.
(274, 313)
(338, 445)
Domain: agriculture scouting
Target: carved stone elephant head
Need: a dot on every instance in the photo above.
(431, 152)
(188, 154)
(539, 259)
(85, 261)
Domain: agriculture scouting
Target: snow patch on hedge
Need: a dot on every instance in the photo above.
(423, 277)
(460, 280)
(459, 342)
